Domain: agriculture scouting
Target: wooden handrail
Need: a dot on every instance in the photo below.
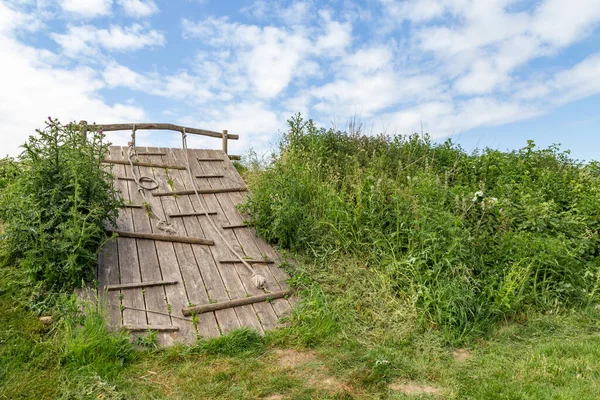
(162, 126)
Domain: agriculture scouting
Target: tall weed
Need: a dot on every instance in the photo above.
(465, 239)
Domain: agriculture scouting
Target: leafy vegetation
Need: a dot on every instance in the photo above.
(410, 231)
(54, 201)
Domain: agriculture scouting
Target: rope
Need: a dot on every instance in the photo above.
(162, 224)
(258, 280)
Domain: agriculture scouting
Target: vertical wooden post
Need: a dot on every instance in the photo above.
(83, 127)
(225, 141)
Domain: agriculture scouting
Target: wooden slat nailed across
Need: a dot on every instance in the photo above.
(191, 214)
(200, 191)
(142, 164)
(233, 226)
(234, 261)
(144, 328)
(139, 285)
(163, 238)
(187, 311)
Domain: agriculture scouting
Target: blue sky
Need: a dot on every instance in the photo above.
(487, 73)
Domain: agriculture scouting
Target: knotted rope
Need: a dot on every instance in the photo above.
(161, 224)
(259, 281)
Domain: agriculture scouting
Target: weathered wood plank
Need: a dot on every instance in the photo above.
(163, 238)
(234, 287)
(266, 314)
(234, 226)
(215, 287)
(167, 255)
(235, 303)
(209, 176)
(129, 267)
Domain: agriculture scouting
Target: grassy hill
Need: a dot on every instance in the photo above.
(423, 272)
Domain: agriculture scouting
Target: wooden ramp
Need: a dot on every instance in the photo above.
(148, 281)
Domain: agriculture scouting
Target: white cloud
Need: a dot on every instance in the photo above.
(87, 39)
(138, 8)
(87, 8)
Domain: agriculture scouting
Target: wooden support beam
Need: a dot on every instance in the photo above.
(143, 164)
(160, 127)
(233, 226)
(225, 137)
(210, 159)
(139, 285)
(200, 191)
(163, 238)
(235, 157)
(190, 214)
(267, 261)
(188, 311)
(144, 328)
(210, 176)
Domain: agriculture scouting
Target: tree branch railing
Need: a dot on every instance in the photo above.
(225, 136)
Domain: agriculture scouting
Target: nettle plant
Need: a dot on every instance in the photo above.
(55, 200)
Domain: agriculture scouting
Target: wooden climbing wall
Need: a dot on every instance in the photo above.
(173, 275)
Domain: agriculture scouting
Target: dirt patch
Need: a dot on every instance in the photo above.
(290, 358)
(461, 354)
(415, 389)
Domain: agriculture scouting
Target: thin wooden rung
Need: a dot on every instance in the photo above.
(133, 206)
(143, 164)
(210, 176)
(139, 285)
(210, 159)
(188, 311)
(233, 226)
(163, 238)
(125, 178)
(150, 153)
(200, 191)
(267, 261)
(191, 214)
(143, 328)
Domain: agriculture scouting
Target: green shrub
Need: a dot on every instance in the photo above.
(53, 205)
(465, 239)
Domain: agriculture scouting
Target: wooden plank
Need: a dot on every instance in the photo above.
(234, 226)
(233, 286)
(207, 268)
(139, 285)
(249, 261)
(108, 270)
(201, 159)
(142, 164)
(266, 314)
(188, 311)
(209, 176)
(191, 214)
(147, 153)
(155, 297)
(163, 238)
(145, 328)
(167, 256)
(134, 206)
(200, 191)
(129, 269)
(159, 127)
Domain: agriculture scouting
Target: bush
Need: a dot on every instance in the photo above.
(54, 201)
(465, 239)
